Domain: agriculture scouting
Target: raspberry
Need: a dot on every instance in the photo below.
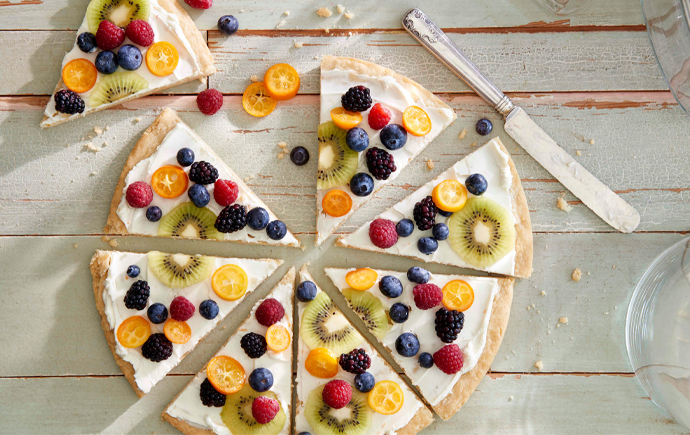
(210, 396)
(232, 218)
(337, 394)
(139, 194)
(382, 233)
(140, 32)
(356, 99)
(449, 324)
(269, 312)
(379, 117)
(427, 296)
(68, 102)
(225, 192)
(449, 359)
(209, 101)
(253, 344)
(265, 409)
(199, 4)
(380, 163)
(204, 173)
(181, 309)
(355, 362)
(137, 296)
(425, 214)
(109, 36)
(157, 348)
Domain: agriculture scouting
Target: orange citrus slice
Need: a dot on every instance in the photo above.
(345, 119)
(277, 338)
(321, 363)
(282, 82)
(256, 100)
(458, 295)
(162, 58)
(386, 398)
(133, 332)
(169, 181)
(177, 332)
(361, 279)
(416, 121)
(79, 75)
(230, 282)
(336, 203)
(226, 374)
(449, 195)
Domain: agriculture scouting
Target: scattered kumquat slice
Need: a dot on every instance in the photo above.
(133, 332)
(361, 279)
(162, 58)
(282, 82)
(345, 119)
(386, 398)
(169, 181)
(79, 75)
(177, 332)
(416, 121)
(256, 100)
(230, 282)
(321, 363)
(336, 203)
(449, 195)
(458, 295)
(226, 374)
(277, 338)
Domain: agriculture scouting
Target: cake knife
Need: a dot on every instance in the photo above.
(593, 193)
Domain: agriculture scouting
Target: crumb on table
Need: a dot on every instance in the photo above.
(105, 239)
(563, 204)
(349, 15)
(577, 275)
(299, 44)
(430, 164)
(254, 78)
(539, 365)
(324, 12)
(462, 134)
(340, 8)
(286, 13)
(281, 156)
(578, 153)
(591, 141)
(75, 245)
(113, 243)
(563, 320)
(473, 144)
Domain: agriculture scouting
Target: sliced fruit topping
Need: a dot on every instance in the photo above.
(162, 58)
(226, 374)
(449, 195)
(345, 119)
(133, 332)
(336, 203)
(120, 12)
(189, 221)
(323, 325)
(256, 100)
(361, 279)
(169, 181)
(458, 295)
(327, 421)
(386, 398)
(416, 121)
(230, 282)
(281, 81)
(277, 338)
(370, 310)
(237, 414)
(177, 332)
(79, 75)
(116, 86)
(337, 162)
(321, 363)
(180, 270)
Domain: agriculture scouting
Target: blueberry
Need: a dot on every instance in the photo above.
(404, 228)
(276, 230)
(407, 344)
(154, 213)
(133, 271)
(185, 157)
(364, 382)
(357, 139)
(418, 275)
(306, 291)
(86, 42)
(299, 156)
(258, 218)
(208, 309)
(227, 24)
(476, 184)
(304, 433)
(361, 184)
(426, 360)
(390, 286)
(445, 213)
(157, 313)
(427, 245)
(399, 312)
(261, 380)
(393, 136)
(199, 195)
(106, 62)
(440, 231)
(484, 126)
(129, 57)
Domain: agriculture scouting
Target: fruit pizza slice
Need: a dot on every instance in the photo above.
(126, 49)
(374, 121)
(344, 385)
(156, 307)
(443, 330)
(246, 388)
(473, 215)
(174, 185)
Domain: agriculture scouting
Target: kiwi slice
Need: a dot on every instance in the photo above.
(354, 419)
(323, 325)
(189, 221)
(370, 309)
(337, 162)
(119, 12)
(180, 270)
(237, 414)
(482, 232)
(116, 86)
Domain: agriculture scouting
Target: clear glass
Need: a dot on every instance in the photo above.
(658, 332)
(563, 7)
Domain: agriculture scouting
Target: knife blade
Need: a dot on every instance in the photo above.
(538, 144)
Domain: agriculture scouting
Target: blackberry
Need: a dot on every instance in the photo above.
(137, 296)
(380, 163)
(448, 324)
(68, 102)
(425, 214)
(254, 345)
(203, 173)
(209, 396)
(157, 348)
(232, 218)
(356, 99)
(355, 362)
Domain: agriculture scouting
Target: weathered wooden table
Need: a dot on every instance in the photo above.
(590, 80)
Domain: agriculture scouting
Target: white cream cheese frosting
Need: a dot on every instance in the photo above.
(147, 373)
(387, 91)
(166, 27)
(187, 405)
(306, 383)
(492, 163)
(433, 383)
(182, 136)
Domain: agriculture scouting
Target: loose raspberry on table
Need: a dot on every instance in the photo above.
(109, 36)
(337, 394)
(181, 309)
(199, 4)
(265, 409)
(225, 192)
(427, 296)
(139, 194)
(355, 362)
(379, 117)
(269, 312)
(449, 359)
(140, 32)
(209, 101)
(382, 233)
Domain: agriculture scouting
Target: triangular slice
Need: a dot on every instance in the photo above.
(382, 403)
(482, 303)
(157, 195)
(156, 307)
(490, 232)
(92, 79)
(267, 373)
(341, 158)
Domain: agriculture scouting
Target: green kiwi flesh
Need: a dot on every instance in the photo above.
(189, 221)
(337, 162)
(323, 325)
(370, 309)
(116, 86)
(119, 12)
(180, 270)
(237, 414)
(325, 420)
